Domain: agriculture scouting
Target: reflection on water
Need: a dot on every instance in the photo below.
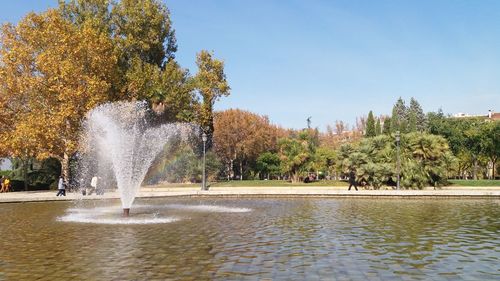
(249, 239)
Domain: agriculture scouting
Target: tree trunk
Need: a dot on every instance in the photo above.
(241, 170)
(494, 166)
(65, 168)
(294, 175)
(474, 170)
(231, 169)
(493, 163)
(25, 163)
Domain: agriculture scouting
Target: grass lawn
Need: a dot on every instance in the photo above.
(276, 183)
(237, 183)
(475, 182)
(4, 173)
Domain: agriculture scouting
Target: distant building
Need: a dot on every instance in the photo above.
(490, 116)
(494, 115)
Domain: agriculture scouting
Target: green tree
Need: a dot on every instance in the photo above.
(176, 94)
(387, 126)
(370, 126)
(211, 84)
(416, 117)
(473, 139)
(399, 119)
(169, 90)
(425, 160)
(143, 34)
(94, 13)
(145, 41)
(323, 160)
(466, 139)
(268, 164)
(294, 155)
(143, 29)
(296, 152)
(342, 164)
(436, 122)
(378, 128)
(373, 161)
(412, 122)
(490, 143)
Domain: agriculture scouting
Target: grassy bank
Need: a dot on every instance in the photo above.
(276, 183)
(4, 173)
(264, 183)
(475, 182)
(258, 183)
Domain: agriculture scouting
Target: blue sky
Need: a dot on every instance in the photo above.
(335, 60)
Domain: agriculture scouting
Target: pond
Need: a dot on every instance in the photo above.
(252, 239)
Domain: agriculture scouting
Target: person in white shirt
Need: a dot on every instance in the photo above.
(93, 184)
(60, 187)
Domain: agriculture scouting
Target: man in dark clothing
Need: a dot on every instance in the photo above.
(352, 180)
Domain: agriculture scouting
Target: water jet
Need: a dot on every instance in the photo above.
(121, 140)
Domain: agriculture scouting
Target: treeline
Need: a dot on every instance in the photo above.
(57, 65)
(433, 148)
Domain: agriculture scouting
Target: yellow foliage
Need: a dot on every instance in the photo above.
(51, 73)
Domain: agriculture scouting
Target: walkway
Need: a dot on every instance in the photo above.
(315, 191)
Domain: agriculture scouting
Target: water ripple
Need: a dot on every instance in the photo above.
(255, 239)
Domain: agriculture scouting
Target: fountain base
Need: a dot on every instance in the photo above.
(126, 212)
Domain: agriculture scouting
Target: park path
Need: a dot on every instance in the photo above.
(318, 191)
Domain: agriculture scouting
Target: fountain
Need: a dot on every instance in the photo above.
(121, 137)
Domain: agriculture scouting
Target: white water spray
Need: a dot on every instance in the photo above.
(119, 136)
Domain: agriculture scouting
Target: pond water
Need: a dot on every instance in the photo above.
(252, 239)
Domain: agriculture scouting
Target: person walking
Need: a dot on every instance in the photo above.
(93, 184)
(60, 187)
(352, 180)
(5, 184)
(2, 185)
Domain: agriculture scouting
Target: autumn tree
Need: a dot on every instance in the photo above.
(211, 84)
(52, 72)
(360, 124)
(340, 127)
(241, 136)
